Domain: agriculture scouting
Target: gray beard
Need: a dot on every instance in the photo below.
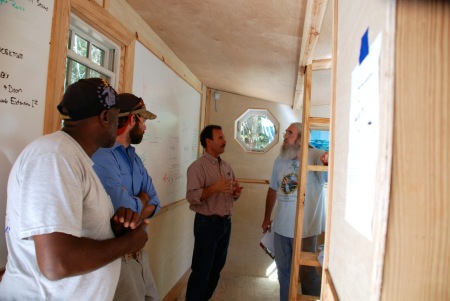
(289, 152)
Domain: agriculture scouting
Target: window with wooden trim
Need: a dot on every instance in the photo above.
(256, 130)
(90, 54)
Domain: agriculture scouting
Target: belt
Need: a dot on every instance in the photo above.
(130, 256)
(216, 216)
(224, 217)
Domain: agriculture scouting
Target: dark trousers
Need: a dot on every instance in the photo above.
(212, 237)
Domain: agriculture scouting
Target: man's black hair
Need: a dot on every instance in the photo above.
(207, 133)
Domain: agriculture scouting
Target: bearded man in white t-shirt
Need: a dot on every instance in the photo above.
(283, 188)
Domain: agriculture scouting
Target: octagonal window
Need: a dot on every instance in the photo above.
(256, 130)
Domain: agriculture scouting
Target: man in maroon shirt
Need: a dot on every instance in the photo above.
(212, 190)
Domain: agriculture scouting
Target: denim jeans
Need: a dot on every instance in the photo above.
(212, 237)
(309, 278)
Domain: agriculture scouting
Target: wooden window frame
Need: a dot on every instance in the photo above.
(102, 21)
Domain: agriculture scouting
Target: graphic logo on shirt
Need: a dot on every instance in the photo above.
(289, 183)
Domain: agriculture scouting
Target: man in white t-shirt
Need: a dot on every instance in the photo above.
(64, 239)
(283, 188)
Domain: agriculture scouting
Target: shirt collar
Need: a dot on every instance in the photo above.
(211, 158)
(130, 148)
(116, 145)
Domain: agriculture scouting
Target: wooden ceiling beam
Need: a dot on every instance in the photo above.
(315, 11)
(321, 64)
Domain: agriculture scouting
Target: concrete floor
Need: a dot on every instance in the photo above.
(244, 288)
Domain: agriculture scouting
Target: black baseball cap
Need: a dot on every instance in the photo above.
(86, 98)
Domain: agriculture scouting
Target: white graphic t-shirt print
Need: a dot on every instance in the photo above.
(286, 196)
(289, 183)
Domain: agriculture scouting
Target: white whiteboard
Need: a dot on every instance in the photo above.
(170, 143)
(25, 28)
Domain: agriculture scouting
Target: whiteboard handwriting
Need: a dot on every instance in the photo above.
(11, 89)
(13, 4)
(39, 4)
(12, 53)
(18, 102)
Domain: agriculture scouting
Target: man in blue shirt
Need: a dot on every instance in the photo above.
(127, 182)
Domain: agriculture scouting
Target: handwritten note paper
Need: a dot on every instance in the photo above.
(363, 142)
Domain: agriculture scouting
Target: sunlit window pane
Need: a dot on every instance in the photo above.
(256, 130)
(80, 46)
(97, 55)
(76, 71)
(93, 73)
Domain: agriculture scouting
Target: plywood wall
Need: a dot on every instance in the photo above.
(417, 262)
(409, 255)
(355, 258)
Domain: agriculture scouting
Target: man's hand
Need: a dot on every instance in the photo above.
(223, 185)
(148, 211)
(137, 237)
(324, 158)
(237, 189)
(266, 225)
(124, 219)
(60, 255)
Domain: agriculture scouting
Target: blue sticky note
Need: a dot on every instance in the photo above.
(364, 51)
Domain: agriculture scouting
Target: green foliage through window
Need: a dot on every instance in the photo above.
(256, 130)
(86, 56)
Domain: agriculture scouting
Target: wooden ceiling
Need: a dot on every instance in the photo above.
(251, 48)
